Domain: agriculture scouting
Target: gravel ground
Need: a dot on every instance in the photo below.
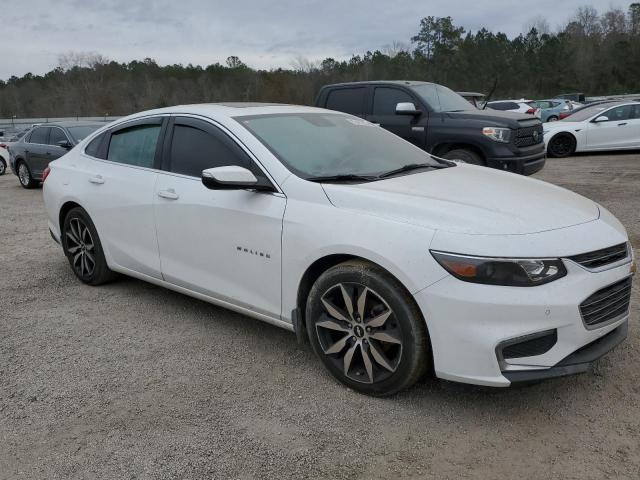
(131, 381)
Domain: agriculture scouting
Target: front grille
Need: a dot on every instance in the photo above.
(526, 137)
(531, 345)
(602, 257)
(606, 304)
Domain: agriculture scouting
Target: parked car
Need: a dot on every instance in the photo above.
(389, 261)
(441, 122)
(4, 158)
(574, 97)
(474, 98)
(599, 127)
(529, 107)
(551, 109)
(44, 143)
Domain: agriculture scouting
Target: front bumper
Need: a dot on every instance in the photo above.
(524, 165)
(467, 322)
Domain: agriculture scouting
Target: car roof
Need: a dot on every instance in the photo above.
(380, 82)
(71, 123)
(471, 94)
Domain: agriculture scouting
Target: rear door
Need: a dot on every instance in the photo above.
(121, 178)
(37, 151)
(349, 100)
(224, 244)
(383, 112)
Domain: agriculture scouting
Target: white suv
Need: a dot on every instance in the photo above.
(389, 261)
(530, 107)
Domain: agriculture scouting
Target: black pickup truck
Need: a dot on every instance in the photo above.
(443, 123)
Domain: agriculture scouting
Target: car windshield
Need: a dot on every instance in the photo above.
(585, 113)
(81, 131)
(441, 99)
(316, 145)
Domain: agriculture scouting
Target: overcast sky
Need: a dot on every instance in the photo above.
(263, 33)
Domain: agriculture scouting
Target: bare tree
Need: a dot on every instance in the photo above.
(394, 48)
(304, 65)
(539, 23)
(69, 60)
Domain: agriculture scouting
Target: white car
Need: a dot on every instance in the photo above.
(521, 106)
(4, 158)
(389, 261)
(600, 127)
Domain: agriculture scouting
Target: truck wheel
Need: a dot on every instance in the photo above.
(467, 156)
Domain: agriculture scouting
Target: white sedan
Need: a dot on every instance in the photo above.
(391, 263)
(600, 127)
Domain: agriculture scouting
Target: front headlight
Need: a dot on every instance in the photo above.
(510, 272)
(497, 134)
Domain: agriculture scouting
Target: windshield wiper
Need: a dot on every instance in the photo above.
(347, 177)
(408, 168)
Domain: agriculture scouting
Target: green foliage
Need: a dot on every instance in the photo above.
(595, 54)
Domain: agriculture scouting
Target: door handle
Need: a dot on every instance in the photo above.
(97, 180)
(622, 124)
(169, 194)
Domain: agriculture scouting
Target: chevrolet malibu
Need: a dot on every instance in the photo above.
(390, 262)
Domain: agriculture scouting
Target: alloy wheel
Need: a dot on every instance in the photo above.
(359, 333)
(80, 247)
(562, 146)
(23, 174)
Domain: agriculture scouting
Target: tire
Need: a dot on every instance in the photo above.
(3, 167)
(562, 145)
(552, 118)
(24, 175)
(82, 247)
(383, 341)
(467, 156)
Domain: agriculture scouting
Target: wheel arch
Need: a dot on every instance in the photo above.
(444, 148)
(560, 133)
(65, 209)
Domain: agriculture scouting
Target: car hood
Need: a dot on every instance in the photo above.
(467, 199)
(497, 118)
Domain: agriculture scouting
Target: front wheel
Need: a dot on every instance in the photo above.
(366, 329)
(3, 167)
(83, 249)
(467, 156)
(562, 145)
(552, 118)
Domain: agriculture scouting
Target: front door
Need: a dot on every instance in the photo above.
(221, 243)
(616, 132)
(383, 112)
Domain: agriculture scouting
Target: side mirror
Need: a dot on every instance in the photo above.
(65, 144)
(601, 118)
(232, 178)
(407, 108)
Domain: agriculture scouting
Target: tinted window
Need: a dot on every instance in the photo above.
(635, 112)
(442, 99)
(93, 148)
(623, 112)
(385, 100)
(347, 100)
(194, 150)
(57, 135)
(39, 135)
(504, 106)
(83, 131)
(134, 145)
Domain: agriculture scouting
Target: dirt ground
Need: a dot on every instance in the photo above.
(134, 381)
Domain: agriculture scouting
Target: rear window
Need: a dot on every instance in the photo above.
(347, 100)
(503, 106)
(39, 135)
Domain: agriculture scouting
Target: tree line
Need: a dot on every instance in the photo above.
(597, 54)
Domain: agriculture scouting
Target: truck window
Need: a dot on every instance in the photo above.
(347, 100)
(385, 100)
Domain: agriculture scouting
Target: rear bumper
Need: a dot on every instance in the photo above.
(579, 361)
(526, 165)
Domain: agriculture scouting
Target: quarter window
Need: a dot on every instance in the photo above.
(194, 150)
(385, 100)
(93, 148)
(39, 135)
(135, 145)
(347, 100)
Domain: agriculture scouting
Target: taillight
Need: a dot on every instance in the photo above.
(45, 173)
(3, 145)
(564, 115)
(531, 111)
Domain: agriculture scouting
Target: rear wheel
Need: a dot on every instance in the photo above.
(83, 249)
(366, 329)
(552, 118)
(24, 175)
(3, 167)
(562, 145)
(467, 156)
